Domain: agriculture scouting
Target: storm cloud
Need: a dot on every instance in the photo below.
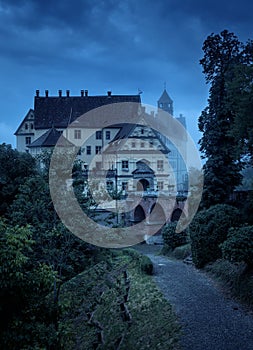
(118, 45)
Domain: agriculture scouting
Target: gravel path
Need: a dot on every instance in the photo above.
(210, 321)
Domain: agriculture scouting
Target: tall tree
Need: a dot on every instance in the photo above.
(15, 167)
(240, 101)
(222, 168)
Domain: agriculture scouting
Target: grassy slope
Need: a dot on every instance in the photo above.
(115, 305)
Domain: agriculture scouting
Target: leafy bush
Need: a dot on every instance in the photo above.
(182, 252)
(146, 265)
(239, 245)
(208, 230)
(173, 239)
(234, 278)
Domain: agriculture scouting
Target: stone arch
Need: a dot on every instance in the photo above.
(143, 185)
(176, 214)
(139, 214)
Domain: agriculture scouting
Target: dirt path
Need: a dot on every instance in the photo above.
(210, 321)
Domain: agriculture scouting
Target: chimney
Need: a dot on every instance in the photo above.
(46, 93)
(109, 93)
(37, 93)
(86, 93)
(67, 93)
(82, 93)
(60, 93)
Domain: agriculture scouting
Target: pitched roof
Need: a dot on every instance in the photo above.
(165, 98)
(25, 118)
(62, 111)
(124, 133)
(49, 139)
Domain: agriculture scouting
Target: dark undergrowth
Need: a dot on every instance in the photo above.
(236, 279)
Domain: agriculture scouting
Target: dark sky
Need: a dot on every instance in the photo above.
(113, 45)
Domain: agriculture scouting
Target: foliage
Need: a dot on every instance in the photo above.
(219, 143)
(238, 246)
(240, 101)
(235, 279)
(23, 286)
(15, 168)
(33, 205)
(173, 239)
(122, 308)
(208, 229)
(179, 253)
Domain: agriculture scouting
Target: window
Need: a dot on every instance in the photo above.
(142, 131)
(77, 134)
(160, 165)
(98, 135)
(151, 144)
(88, 150)
(124, 186)
(98, 149)
(142, 144)
(124, 165)
(133, 144)
(108, 135)
(26, 126)
(160, 185)
(32, 126)
(28, 140)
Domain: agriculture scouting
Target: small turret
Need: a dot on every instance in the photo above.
(165, 103)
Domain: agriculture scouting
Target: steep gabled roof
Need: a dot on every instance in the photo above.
(165, 98)
(125, 132)
(49, 139)
(25, 118)
(62, 111)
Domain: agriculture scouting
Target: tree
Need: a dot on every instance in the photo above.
(240, 102)
(222, 169)
(15, 167)
(24, 310)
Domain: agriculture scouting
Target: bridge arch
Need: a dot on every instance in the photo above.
(176, 214)
(139, 214)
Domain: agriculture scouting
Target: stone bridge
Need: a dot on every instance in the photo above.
(155, 211)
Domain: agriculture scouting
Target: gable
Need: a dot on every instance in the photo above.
(137, 138)
(27, 124)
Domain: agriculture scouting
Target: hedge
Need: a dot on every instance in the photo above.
(209, 229)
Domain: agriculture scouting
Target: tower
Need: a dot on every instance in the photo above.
(165, 102)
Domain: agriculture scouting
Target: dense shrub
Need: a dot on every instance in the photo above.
(209, 229)
(173, 239)
(239, 245)
(146, 265)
